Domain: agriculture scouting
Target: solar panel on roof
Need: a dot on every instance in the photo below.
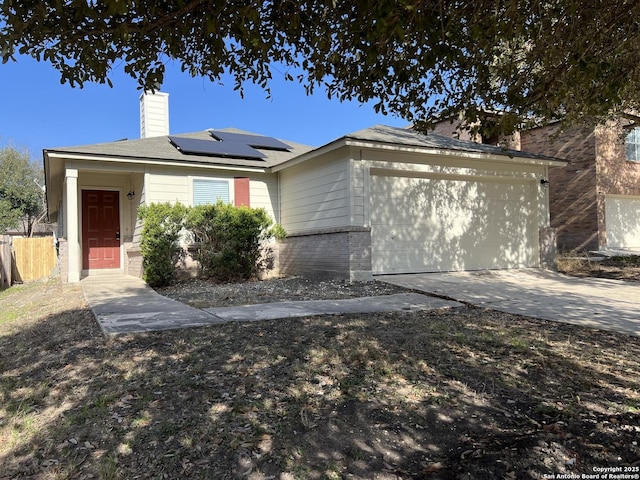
(220, 149)
(256, 141)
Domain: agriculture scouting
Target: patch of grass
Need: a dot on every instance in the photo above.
(356, 454)
(632, 406)
(108, 469)
(9, 316)
(142, 420)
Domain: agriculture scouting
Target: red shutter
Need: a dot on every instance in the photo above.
(241, 191)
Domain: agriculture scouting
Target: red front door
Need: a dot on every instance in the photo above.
(100, 229)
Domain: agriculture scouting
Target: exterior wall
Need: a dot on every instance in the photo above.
(326, 205)
(323, 211)
(133, 261)
(615, 174)
(359, 200)
(572, 189)
(63, 259)
(316, 194)
(138, 187)
(164, 184)
(454, 129)
(548, 248)
(274, 271)
(168, 184)
(444, 165)
(330, 253)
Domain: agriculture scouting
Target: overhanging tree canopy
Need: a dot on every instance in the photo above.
(539, 60)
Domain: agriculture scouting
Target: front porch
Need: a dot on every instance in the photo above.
(97, 218)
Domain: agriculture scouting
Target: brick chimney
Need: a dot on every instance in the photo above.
(154, 114)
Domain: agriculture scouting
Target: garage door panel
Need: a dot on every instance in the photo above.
(423, 224)
(622, 217)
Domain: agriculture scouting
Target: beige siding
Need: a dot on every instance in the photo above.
(450, 164)
(167, 185)
(315, 194)
(137, 184)
(359, 175)
(264, 194)
(175, 185)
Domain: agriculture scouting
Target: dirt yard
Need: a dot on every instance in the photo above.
(616, 268)
(455, 394)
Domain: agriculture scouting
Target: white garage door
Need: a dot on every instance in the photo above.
(622, 216)
(451, 224)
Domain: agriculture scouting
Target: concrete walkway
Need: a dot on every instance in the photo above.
(410, 302)
(590, 302)
(124, 304)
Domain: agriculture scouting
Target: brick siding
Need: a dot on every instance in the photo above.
(453, 129)
(63, 259)
(334, 253)
(133, 261)
(572, 189)
(577, 192)
(548, 247)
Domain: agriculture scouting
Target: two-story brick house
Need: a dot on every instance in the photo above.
(595, 199)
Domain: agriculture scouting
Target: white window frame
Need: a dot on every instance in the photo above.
(632, 145)
(194, 180)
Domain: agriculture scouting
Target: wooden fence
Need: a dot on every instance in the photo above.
(34, 258)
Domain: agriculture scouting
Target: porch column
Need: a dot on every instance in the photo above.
(71, 217)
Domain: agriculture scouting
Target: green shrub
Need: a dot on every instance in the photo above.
(232, 240)
(159, 246)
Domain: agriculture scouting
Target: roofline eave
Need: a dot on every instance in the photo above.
(359, 143)
(56, 154)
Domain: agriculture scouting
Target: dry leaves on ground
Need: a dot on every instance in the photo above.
(457, 394)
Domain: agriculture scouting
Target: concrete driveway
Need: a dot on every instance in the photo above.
(596, 303)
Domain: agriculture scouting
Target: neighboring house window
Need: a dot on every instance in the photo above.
(210, 191)
(632, 144)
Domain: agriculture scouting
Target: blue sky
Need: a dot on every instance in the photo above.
(39, 112)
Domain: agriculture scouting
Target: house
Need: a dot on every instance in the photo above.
(377, 201)
(594, 200)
